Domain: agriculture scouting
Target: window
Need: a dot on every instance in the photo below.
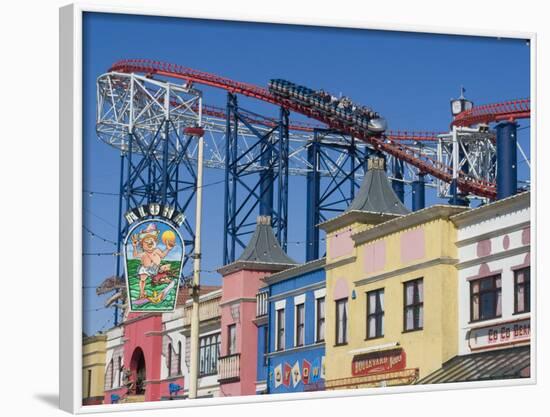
(280, 325)
(522, 290)
(232, 339)
(485, 298)
(375, 313)
(320, 325)
(413, 314)
(169, 359)
(179, 358)
(300, 324)
(89, 391)
(119, 371)
(266, 345)
(342, 321)
(111, 373)
(209, 351)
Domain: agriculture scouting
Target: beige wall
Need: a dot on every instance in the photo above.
(93, 359)
(425, 349)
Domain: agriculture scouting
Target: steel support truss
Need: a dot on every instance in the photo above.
(327, 195)
(256, 177)
(468, 150)
(146, 121)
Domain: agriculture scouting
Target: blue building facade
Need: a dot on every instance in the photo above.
(294, 344)
(263, 339)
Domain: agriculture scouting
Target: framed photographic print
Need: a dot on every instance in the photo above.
(269, 210)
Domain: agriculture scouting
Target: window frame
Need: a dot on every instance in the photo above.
(169, 359)
(280, 329)
(231, 349)
(320, 320)
(299, 326)
(179, 370)
(345, 335)
(89, 387)
(378, 314)
(526, 284)
(208, 363)
(112, 372)
(416, 305)
(494, 289)
(119, 379)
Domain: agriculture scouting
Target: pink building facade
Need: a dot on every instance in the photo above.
(239, 334)
(148, 353)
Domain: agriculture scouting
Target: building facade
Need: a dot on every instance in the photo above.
(392, 289)
(494, 289)
(296, 329)
(242, 279)
(93, 368)
(148, 354)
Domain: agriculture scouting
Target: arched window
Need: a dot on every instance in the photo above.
(169, 359)
(179, 358)
(119, 383)
(111, 373)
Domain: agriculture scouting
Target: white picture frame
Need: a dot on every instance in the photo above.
(70, 154)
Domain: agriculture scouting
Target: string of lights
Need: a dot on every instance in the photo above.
(100, 218)
(95, 235)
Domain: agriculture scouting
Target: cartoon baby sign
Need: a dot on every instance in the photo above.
(154, 254)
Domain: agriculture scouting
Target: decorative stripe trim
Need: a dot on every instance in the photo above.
(407, 269)
(494, 257)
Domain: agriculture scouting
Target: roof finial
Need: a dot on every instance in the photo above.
(264, 220)
(376, 162)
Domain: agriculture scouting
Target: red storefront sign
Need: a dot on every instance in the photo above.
(375, 362)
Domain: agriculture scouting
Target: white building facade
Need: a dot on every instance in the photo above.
(494, 271)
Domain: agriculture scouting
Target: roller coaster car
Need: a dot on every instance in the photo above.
(342, 110)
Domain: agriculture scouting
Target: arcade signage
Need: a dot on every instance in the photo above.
(153, 252)
(376, 362)
(508, 333)
(153, 210)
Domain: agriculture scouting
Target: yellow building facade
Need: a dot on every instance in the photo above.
(93, 369)
(392, 286)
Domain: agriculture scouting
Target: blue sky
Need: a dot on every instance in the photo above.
(409, 78)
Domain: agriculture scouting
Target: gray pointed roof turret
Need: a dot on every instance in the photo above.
(375, 202)
(263, 251)
(376, 195)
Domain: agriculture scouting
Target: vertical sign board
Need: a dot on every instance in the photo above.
(153, 252)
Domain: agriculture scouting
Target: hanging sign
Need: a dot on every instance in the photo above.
(375, 362)
(154, 253)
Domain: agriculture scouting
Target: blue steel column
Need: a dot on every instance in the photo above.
(230, 204)
(266, 179)
(418, 193)
(457, 198)
(282, 218)
(312, 204)
(507, 175)
(397, 183)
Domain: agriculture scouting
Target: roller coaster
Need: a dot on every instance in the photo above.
(141, 103)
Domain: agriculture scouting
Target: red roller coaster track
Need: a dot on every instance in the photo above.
(388, 144)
